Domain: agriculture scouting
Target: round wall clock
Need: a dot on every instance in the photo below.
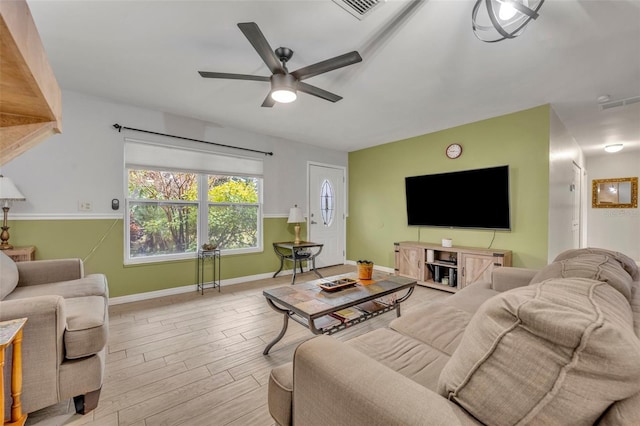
(454, 150)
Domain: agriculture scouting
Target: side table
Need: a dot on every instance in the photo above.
(302, 251)
(214, 256)
(11, 333)
(21, 254)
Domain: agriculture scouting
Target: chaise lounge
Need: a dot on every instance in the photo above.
(556, 346)
(65, 337)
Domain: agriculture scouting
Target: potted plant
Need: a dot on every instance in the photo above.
(365, 269)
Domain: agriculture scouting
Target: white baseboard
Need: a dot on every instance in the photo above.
(189, 288)
(224, 283)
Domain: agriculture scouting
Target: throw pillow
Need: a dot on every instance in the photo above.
(556, 352)
(599, 267)
(8, 275)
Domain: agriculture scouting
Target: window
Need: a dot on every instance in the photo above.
(233, 211)
(163, 213)
(172, 212)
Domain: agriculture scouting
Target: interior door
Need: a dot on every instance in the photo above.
(327, 212)
(576, 188)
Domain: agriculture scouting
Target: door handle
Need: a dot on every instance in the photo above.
(313, 222)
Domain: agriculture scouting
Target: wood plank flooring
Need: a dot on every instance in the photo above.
(195, 359)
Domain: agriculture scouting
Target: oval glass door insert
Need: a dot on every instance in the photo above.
(326, 202)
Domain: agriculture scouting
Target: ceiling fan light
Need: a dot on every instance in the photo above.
(283, 88)
(284, 96)
(614, 147)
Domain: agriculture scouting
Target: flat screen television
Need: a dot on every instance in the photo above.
(477, 199)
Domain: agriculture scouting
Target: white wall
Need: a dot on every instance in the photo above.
(85, 162)
(563, 152)
(615, 229)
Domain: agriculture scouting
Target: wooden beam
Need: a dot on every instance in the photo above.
(30, 99)
(18, 139)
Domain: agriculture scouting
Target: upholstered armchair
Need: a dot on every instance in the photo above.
(65, 338)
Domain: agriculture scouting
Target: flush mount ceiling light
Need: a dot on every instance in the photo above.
(614, 147)
(502, 19)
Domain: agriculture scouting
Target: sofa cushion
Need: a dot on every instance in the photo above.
(409, 357)
(625, 412)
(599, 267)
(87, 326)
(91, 285)
(280, 393)
(437, 324)
(8, 275)
(560, 349)
(627, 263)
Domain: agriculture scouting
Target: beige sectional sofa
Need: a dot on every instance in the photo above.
(558, 346)
(65, 337)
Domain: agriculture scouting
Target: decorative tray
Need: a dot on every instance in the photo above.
(338, 284)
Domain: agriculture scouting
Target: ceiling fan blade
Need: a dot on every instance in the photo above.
(207, 74)
(327, 65)
(252, 32)
(268, 101)
(316, 91)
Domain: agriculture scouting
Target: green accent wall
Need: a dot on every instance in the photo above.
(57, 239)
(377, 210)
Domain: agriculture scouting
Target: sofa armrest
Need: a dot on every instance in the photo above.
(507, 278)
(49, 271)
(42, 346)
(335, 384)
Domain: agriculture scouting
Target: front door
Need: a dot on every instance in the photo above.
(327, 212)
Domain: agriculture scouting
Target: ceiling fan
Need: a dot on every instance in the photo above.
(284, 84)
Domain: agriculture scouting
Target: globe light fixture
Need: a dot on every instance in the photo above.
(497, 20)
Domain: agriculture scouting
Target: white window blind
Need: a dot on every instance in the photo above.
(146, 155)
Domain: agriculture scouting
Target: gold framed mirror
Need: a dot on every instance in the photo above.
(617, 193)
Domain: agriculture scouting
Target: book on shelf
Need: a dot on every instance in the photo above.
(371, 306)
(326, 322)
(347, 314)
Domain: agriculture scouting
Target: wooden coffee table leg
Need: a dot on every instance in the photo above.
(285, 324)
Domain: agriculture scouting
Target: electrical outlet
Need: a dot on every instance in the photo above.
(85, 206)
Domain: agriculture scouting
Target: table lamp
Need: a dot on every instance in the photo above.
(296, 216)
(8, 194)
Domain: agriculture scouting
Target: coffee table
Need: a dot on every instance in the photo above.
(305, 303)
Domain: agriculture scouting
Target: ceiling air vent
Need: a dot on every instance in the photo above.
(359, 8)
(620, 103)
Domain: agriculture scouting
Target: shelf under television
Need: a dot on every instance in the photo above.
(438, 286)
(444, 264)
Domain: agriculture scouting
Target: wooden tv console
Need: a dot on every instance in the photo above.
(447, 268)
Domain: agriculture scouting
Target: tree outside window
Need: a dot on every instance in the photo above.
(164, 207)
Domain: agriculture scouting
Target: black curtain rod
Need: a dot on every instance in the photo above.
(119, 127)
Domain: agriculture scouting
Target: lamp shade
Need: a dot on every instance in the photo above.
(295, 215)
(8, 190)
